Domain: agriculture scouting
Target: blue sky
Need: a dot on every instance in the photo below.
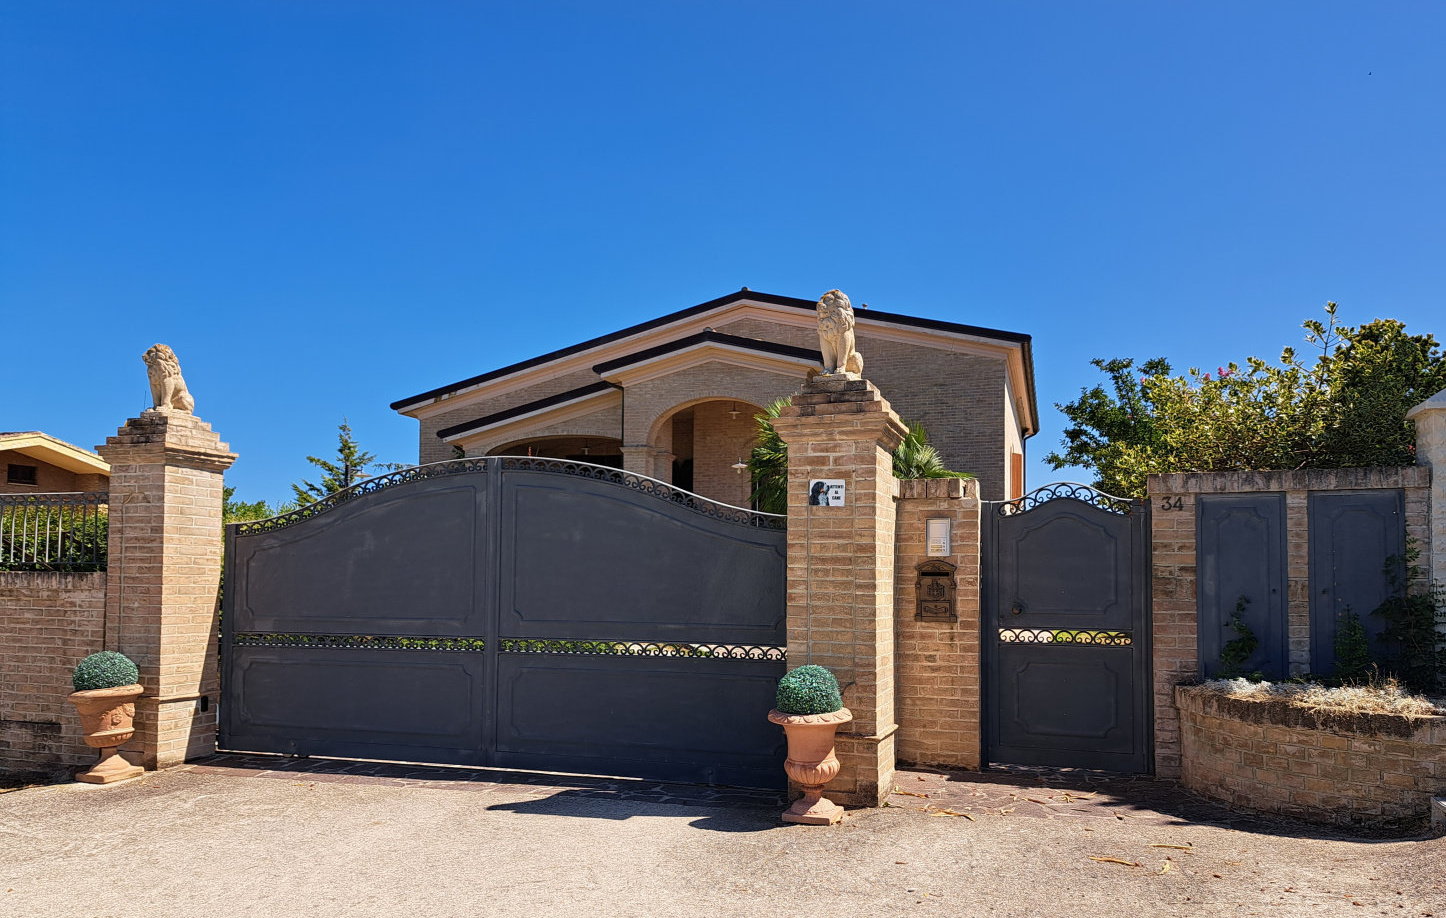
(327, 206)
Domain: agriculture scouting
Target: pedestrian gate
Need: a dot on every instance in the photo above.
(511, 612)
(1066, 633)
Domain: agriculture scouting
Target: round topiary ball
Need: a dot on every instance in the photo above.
(809, 690)
(106, 669)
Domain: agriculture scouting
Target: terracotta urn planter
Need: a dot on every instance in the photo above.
(811, 763)
(107, 716)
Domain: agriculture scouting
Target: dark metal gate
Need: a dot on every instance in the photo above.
(1065, 597)
(510, 612)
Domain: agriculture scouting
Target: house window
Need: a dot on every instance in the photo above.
(20, 474)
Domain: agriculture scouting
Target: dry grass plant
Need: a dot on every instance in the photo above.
(1385, 696)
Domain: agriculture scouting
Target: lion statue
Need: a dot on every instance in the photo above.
(168, 389)
(836, 334)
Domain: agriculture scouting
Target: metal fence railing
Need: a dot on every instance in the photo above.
(53, 532)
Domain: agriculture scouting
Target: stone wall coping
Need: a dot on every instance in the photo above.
(939, 489)
(1200, 699)
(1411, 476)
(51, 579)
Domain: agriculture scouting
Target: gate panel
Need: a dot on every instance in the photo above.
(423, 706)
(587, 559)
(1066, 635)
(511, 612)
(358, 625)
(673, 718)
(1240, 541)
(636, 630)
(1353, 536)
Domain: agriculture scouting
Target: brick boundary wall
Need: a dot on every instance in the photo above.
(937, 664)
(1366, 770)
(1172, 524)
(50, 623)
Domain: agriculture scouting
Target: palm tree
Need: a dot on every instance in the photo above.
(768, 463)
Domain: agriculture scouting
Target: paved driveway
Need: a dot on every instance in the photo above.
(263, 837)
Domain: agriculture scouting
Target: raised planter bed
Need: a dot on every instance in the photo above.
(1329, 768)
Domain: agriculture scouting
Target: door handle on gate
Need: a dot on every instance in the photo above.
(1017, 608)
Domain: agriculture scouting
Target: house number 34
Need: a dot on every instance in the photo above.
(1172, 503)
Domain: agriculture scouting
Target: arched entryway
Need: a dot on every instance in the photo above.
(708, 440)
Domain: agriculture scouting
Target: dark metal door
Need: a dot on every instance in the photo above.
(511, 612)
(1066, 636)
(1240, 541)
(1354, 535)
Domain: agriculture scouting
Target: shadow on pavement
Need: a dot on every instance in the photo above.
(603, 805)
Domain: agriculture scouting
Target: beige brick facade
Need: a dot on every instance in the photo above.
(970, 392)
(164, 572)
(50, 622)
(938, 663)
(841, 568)
(1174, 581)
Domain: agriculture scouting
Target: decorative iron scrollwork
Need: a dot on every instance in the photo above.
(369, 486)
(640, 483)
(1065, 636)
(1081, 492)
(649, 486)
(360, 641)
(643, 649)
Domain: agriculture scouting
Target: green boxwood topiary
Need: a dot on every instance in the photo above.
(106, 669)
(809, 690)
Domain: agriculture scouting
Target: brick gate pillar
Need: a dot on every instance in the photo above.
(1430, 418)
(841, 566)
(165, 548)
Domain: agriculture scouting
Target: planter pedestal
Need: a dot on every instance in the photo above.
(107, 716)
(812, 764)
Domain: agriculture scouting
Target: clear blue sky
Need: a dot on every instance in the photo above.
(327, 206)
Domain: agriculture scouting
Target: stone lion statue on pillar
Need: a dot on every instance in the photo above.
(836, 334)
(168, 389)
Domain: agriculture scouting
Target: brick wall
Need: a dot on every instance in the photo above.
(1342, 770)
(719, 441)
(50, 623)
(1175, 585)
(937, 663)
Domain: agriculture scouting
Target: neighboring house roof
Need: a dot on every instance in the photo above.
(866, 318)
(58, 453)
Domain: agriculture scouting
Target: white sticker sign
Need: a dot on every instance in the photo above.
(826, 492)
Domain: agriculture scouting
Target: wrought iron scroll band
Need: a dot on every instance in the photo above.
(1062, 636)
(644, 649)
(1081, 492)
(369, 486)
(359, 642)
(649, 486)
(639, 483)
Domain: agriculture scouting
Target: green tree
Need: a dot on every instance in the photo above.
(1345, 409)
(768, 462)
(236, 511)
(348, 469)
